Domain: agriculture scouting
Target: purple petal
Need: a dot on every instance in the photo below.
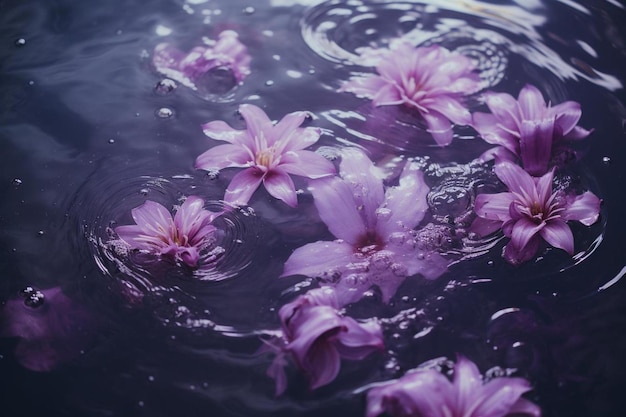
(499, 395)
(224, 156)
(359, 339)
(220, 130)
(323, 364)
(388, 95)
(452, 109)
(499, 154)
(243, 185)
(578, 133)
(585, 208)
(189, 255)
(256, 120)
(483, 227)
(489, 128)
(505, 110)
(467, 383)
(439, 126)
(130, 235)
(313, 259)
(286, 129)
(307, 164)
(536, 145)
(531, 103)
(523, 231)
(544, 188)
(516, 256)
(365, 86)
(280, 185)
(406, 202)
(515, 178)
(525, 407)
(153, 218)
(336, 207)
(567, 115)
(494, 206)
(558, 234)
(276, 371)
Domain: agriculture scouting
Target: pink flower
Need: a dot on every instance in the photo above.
(376, 243)
(188, 68)
(428, 393)
(181, 238)
(431, 79)
(317, 337)
(531, 211)
(269, 153)
(51, 327)
(527, 127)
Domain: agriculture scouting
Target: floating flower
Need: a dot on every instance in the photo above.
(227, 52)
(531, 211)
(431, 79)
(427, 392)
(317, 337)
(527, 127)
(376, 242)
(181, 238)
(51, 327)
(268, 151)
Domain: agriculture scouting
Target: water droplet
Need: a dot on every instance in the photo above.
(140, 403)
(164, 113)
(144, 191)
(165, 86)
(249, 10)
(17, 181)
(383, 213)
(150, 378)
(40, 233)
(111, 141)
(27, 291)
(34, 300)
(20, 42)
(606, 160)
(269, 83)
(31, 82)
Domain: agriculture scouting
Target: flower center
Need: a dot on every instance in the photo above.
(536, 212)
(266, 157)
(369, 243)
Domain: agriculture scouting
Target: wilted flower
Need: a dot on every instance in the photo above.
(431, 79)
(527, 127)
(427, 392)
(317, 337)
(268, 151)
(376, 243)
(51, 327)
(181, 238)
(531, 211)
(226, 52)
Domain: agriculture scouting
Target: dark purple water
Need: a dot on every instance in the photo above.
(82, 142)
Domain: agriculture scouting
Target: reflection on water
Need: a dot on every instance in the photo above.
(90, 130)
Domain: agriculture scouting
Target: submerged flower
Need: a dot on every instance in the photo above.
(268, 151)
(527, 127)
(427, 392)
(431, 79)
(376, 243)
(51, 327)
(226, 52)
(531, 211)
(181, 238)
(317, 337)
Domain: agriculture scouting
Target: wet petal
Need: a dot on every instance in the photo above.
(242, 186)
(536, 145)
(516, 255)
(467, 383)
(154, 219)
(505, 110)
(286, 129)
(335, 204)
(567, 115)
(558, 234)
(307, 164)
(364, 86)
(220, 130)
(499, 396)
(313, 259)
(585, 208)
(223, 156)
(439, 126)
(494, 206)
(256, 119)
(452, 109)
(523, 231)
(499, 154)
(531, 103)
(388, 95)
(489, 129)
(129, 234)
(323, 364)
(280, 185)
(359, 339)
(515, 178)
(525, 407)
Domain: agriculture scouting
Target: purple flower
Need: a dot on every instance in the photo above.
(531, 211)
(181, 238)
(268, 151)
(188, 68)
(317, 337)
(428, 393)
(527, 127)
(376, 243)
(431, 79)
(52, 328)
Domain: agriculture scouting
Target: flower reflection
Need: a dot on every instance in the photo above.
(427, 392)
(51, 327)
(531, 211)
(317, 337)
(268, 151)
(181, 238)
(376, 242)
(527, 128)
(431, 79)
(188, 68)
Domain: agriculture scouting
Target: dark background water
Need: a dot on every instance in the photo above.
(81, 144)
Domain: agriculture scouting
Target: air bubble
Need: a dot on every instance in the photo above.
(165, 86)
(35, 299)
(249, 10)
(606, 160)
(20, 42)
(111, 141)
(40, 233)
(269, 83)
(164, 113)
(17, 181)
